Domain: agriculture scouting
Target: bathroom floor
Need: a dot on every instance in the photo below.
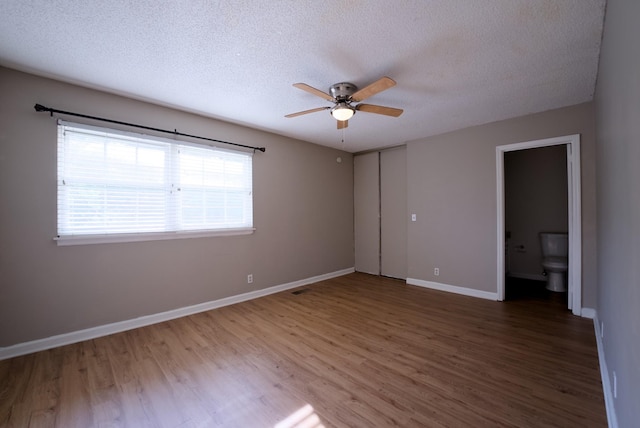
(526, 289)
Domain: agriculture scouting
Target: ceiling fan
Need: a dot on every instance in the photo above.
(344, 94)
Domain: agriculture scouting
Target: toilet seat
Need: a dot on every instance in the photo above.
(560, 263)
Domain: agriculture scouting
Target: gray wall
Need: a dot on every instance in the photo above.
(303, 212)
(452, 189)
(535, 189)
(618, 150)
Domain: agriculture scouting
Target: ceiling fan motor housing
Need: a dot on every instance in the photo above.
(342, 91)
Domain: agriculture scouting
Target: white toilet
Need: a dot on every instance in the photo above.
(555, 250)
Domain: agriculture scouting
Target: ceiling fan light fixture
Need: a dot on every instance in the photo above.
(342, 111)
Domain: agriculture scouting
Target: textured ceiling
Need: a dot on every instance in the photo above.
(457, 63)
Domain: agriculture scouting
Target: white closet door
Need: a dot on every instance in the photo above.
(366, 181)
(393, 212)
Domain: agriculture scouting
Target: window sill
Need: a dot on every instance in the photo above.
(154, 236)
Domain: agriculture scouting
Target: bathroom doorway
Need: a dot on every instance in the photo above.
(529, 248)
(535, 201)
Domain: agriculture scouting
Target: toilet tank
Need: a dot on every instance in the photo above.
(554, 244)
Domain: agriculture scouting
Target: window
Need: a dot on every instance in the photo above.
(115, 186)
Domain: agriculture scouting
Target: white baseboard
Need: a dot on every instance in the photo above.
(604, 373)
(117, 327)
(453, 289)
(588, 313)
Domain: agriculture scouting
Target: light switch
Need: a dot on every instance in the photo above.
(413, 217)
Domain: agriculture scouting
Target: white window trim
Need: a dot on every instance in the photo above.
(62, 241)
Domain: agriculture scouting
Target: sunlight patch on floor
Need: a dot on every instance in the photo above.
(305, 417)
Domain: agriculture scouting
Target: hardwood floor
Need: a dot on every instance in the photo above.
(358, 351)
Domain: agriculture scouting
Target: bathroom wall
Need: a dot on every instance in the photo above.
(535, 201)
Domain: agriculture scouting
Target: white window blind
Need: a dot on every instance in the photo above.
(112, 182)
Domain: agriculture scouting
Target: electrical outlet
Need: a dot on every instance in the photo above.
(615, 385)
(436, 271)
(250, 278)
(413, 217)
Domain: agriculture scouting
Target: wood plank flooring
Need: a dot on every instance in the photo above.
(354, 351)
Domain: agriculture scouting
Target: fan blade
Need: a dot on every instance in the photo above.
(313, 110)
(372, 89)
(314, 91)
(387, 111)
(343, 124)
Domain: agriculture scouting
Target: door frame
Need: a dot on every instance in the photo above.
(574, 205)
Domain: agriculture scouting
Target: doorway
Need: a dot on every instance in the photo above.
(574, 273)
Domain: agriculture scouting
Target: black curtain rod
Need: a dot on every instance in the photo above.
(40, 107)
